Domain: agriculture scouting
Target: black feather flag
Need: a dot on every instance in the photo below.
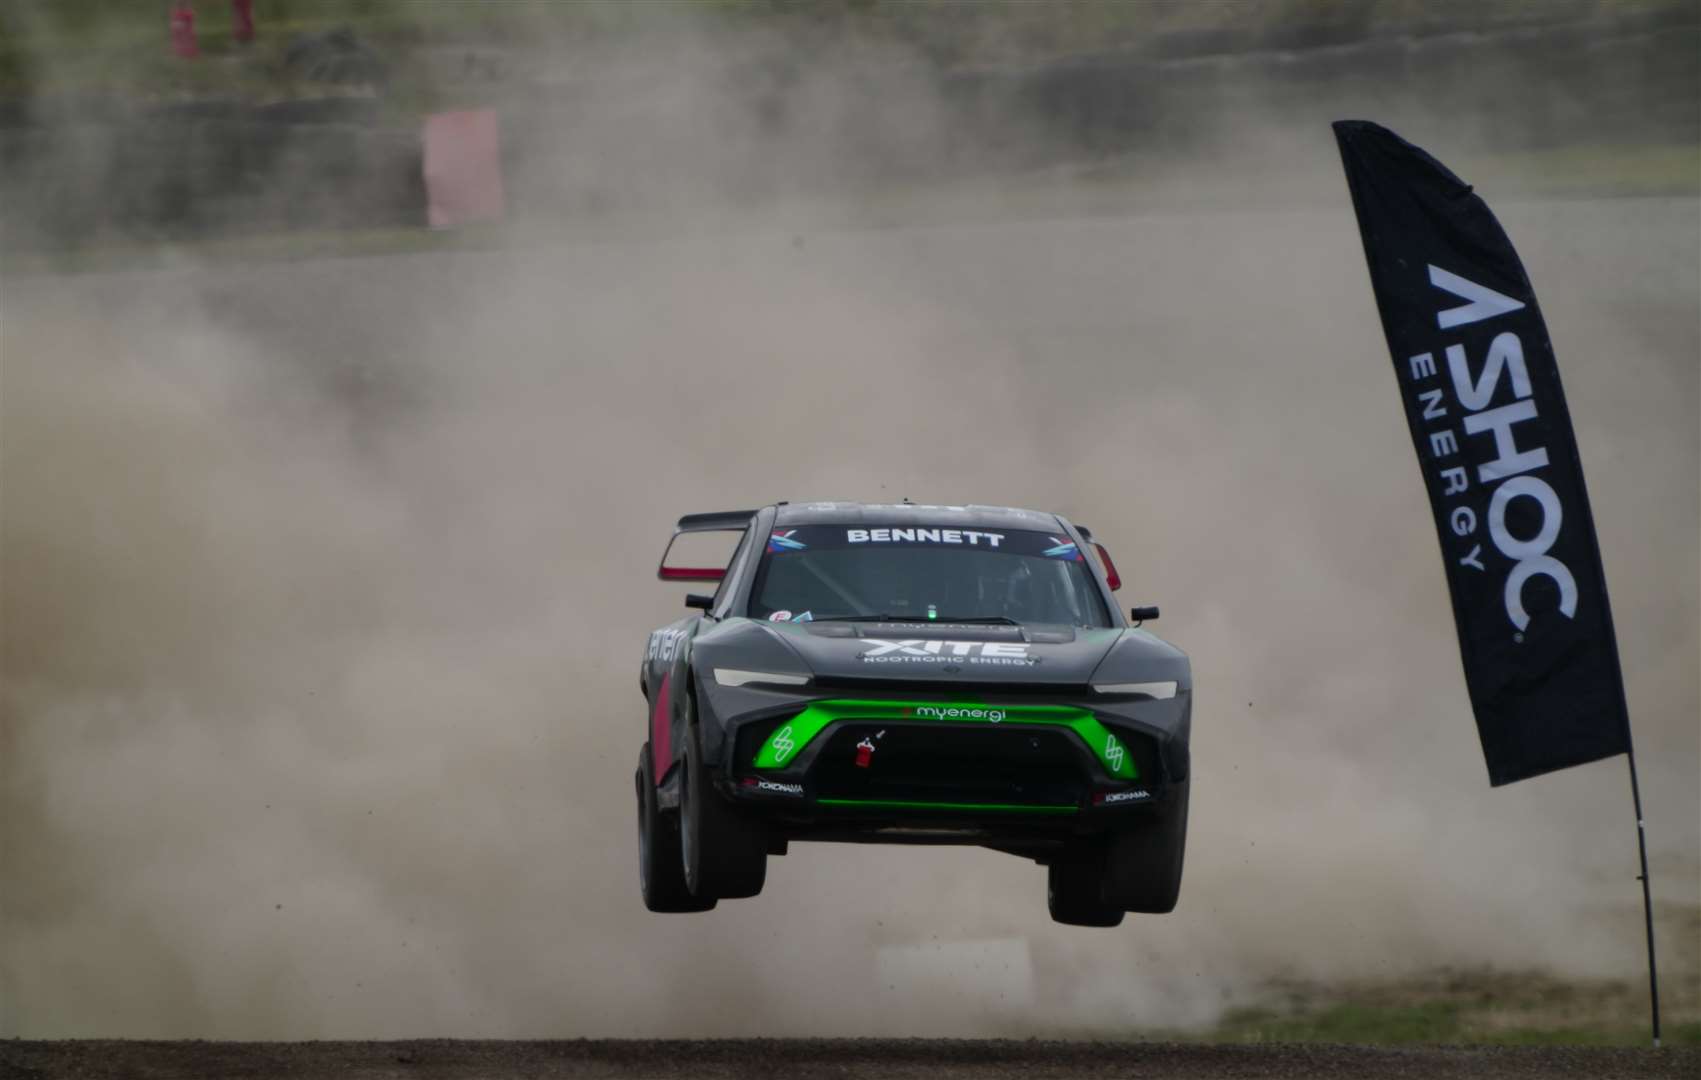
(1481, 391)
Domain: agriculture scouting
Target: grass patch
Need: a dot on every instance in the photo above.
(155, 254)
(1481, 1008)
(1430, 1024)
(1592, 170)
(1434, 1022)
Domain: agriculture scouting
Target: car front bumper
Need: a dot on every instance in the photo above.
(873, 762)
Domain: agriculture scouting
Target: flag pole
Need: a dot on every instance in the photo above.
(1647, 896)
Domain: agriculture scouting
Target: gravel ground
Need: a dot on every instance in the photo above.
(935, 1059)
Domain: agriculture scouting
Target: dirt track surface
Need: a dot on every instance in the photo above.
(838, 1058)
(326, 582)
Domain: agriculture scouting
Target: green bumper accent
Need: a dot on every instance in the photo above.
(976, 807)
(789, 739)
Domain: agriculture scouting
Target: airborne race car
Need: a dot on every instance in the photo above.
(913, 675)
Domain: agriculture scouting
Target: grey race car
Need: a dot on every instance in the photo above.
(914, 675)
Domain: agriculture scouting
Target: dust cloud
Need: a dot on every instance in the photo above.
(325, 584)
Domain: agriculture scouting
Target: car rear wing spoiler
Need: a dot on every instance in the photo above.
(715, 521)
(718, 521)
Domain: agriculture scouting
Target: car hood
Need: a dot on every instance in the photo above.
(956, 653)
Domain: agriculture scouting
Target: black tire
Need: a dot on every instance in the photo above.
(1074, 886)
(1143, 864)
(661, 873)
(724, 852)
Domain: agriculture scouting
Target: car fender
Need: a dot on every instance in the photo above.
(665, 679)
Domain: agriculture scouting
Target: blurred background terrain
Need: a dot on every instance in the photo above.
(314, 123)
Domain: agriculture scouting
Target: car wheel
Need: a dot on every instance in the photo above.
(1143, 864)
(661, 874)
(1074, 884)
(724, 851)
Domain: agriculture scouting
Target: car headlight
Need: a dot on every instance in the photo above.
(736, 677)
(1159, 690)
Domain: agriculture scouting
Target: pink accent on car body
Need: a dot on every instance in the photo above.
(661, 730)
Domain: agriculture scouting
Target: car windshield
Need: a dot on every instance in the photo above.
(921, 573)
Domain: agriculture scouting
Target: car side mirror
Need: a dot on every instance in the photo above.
(1141, 614)
(699, 601)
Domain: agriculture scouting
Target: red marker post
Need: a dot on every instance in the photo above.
(242, 21)
(463, 172)
(183, 31)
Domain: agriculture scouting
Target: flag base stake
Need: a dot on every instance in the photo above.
(1647, 898)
